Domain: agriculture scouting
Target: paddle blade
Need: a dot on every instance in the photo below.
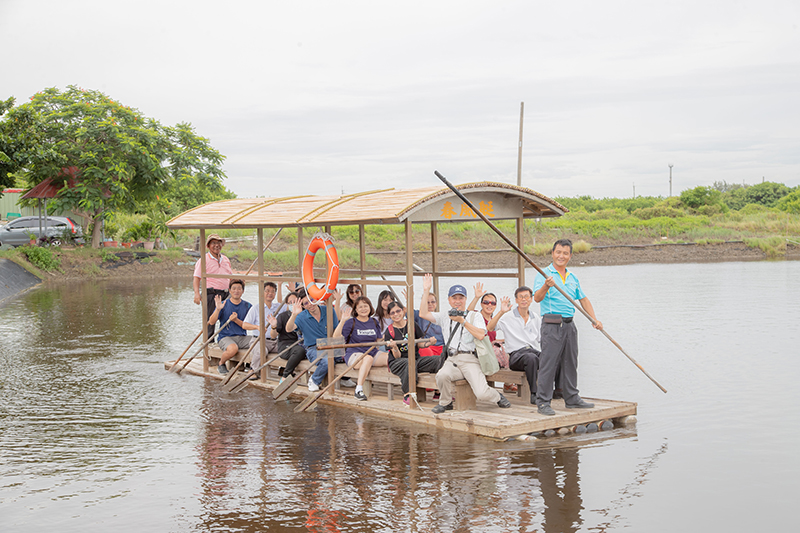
(286, 387)
(302, 406)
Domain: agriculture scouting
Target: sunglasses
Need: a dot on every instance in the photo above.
(354, 291)
(489, 303)
(397, 311)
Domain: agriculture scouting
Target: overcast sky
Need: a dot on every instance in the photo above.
(320, 97)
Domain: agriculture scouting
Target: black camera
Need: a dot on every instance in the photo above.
(456, 312)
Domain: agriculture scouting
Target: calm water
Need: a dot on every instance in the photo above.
(95, 435)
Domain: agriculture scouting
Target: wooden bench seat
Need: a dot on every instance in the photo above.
(464, 400)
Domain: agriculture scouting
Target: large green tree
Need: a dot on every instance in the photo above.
(105, 155)
(8, 165)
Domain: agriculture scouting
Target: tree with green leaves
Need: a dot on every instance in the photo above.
(8, 165)
(105, 156)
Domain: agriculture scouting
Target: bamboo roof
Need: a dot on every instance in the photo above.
(387, 206)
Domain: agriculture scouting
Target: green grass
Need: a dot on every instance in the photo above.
(773, 247)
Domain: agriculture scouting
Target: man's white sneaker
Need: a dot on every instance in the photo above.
(347, 382)
(312, 387)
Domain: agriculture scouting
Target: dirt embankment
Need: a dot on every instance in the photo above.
(131, 265)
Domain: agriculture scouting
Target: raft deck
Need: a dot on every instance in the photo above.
(484, 419)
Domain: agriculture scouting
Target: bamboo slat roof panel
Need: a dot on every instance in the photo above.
(387, 206)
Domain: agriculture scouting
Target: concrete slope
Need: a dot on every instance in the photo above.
(14, 279)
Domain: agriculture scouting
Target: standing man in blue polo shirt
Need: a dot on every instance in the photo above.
(559, 335)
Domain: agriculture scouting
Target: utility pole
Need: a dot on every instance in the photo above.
(670, 179)
(519, 154)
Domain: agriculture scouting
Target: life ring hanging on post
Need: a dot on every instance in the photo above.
(315, 293)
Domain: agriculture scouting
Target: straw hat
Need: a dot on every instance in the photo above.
(214, 237)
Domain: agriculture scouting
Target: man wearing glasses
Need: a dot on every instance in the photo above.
(521, 331)
(460, 329)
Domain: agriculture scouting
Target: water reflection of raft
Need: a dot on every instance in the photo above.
(431, 206)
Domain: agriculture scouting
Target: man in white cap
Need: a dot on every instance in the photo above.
(216, 263)
(459, 329)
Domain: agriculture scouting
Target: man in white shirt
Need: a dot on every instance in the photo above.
(459, 329)
(520, 329)
(252, 320)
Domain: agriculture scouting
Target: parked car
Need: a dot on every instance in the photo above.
(59, 230)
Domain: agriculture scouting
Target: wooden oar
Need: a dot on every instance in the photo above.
(360, 344)
(240, 384)
(236, 368)
(288, 385)
(264, 250)
(187, 349)
(174, 368)
(305, 404)
(542, 272)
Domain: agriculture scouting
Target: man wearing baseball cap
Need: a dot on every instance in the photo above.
(459, 329)
(216, 263)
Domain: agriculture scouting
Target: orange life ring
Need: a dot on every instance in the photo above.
(320, 293)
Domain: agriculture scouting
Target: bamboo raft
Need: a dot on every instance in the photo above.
(431, 207)
(521, 421)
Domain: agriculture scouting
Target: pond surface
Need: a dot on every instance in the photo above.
(95, 435)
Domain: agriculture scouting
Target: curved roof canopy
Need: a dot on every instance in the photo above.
(388, 206)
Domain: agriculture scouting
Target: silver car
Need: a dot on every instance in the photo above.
(59, 230)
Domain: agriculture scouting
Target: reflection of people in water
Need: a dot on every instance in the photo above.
(561, 489)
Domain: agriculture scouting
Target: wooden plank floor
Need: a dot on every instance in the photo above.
(486, 420)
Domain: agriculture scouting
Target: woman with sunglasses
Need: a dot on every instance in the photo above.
(382, 312)
(398, 359)
(488, 306)
(362, 327)
(352, 293)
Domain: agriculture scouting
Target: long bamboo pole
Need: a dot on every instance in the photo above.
(542, 272)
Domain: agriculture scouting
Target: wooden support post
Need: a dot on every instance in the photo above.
(203, 297)
(330, 303)
(412, 361)
(521, 244)
(435, 259)
(262, 318)
(362, 244)
(301, 252)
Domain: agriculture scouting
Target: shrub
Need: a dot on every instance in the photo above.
(700, 196)
(790, 203)
(581, 246)
(660, 210)
(42, 258)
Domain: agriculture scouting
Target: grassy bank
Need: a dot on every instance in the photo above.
(759, 227)
(763, 229)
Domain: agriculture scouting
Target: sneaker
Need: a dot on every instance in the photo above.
(545, 409)
(347, 382)
(579, 405)
(312, 387)
(558, 394)
(222, 369)
(503, 402)
(407, 401)
(439, 409)
(436, 395)
(360, 396)
(533, 398)
(254, 377)
(247, 367)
